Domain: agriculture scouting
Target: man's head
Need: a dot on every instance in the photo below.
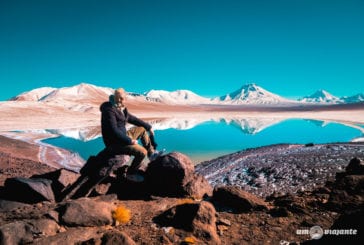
(120, 97)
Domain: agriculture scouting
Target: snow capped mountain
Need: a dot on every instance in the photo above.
(79, 92)
(87, 97)
(353, 99)
(252, 94)
(34, 95)
(177, 97)
(321, 96)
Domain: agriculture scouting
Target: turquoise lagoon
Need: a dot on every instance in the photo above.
(211, 139)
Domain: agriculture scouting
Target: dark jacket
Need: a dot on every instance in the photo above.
(113, 123)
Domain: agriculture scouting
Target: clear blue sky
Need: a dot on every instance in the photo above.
(289, 47)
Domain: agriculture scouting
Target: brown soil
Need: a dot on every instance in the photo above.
(21, 162)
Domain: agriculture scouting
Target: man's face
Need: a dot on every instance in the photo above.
(120, 98)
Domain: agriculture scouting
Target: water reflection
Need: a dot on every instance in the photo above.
(201, 138)
(249, 126)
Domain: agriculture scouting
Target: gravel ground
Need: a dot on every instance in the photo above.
(281, 168)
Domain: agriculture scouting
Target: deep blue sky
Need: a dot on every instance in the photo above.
(289, 47)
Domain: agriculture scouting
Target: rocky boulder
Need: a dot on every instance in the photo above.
(103, 163)
(168, 175)
(356, 166)
(73, 235)
(61, 179)
(24, 231)
(198, 218)
(29, 190)
(7, 206)
(198, 187)
(348, 189)
(237, 199)
(86, 212)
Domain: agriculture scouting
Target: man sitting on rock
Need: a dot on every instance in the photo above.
(119, 141)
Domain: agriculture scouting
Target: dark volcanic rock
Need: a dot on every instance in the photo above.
(169, 174)
(239, 200)
(102, 164)
(61, 178)
(356, 166)
(348, 189)
(29, 190)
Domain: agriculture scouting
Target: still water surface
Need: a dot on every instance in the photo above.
(212, 139)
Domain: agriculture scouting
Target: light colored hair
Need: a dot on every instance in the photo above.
(119, 91)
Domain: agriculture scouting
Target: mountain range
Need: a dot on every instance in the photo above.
(249, 94)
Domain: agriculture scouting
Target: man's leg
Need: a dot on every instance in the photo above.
(137, 133)
(138, 151)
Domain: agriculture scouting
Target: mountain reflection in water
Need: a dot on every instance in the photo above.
(207, 138)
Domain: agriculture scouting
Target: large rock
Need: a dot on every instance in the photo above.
(94, 172)
(198, 218)
(127, 190)
(198, 187)
(204, 223)
(8, 206)
(348, 189)
(29, 190)
(61, 179)
(22, 232)
(353, 184)
(73, 235)
(87, 212)
(102, 164)
(356, 166)
(168, 175)
(239, 200)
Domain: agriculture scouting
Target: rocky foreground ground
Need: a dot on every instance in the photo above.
(282, 169)
(118, 212)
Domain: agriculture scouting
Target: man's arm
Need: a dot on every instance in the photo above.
(139, 122)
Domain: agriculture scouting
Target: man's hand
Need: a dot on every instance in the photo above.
(134, 142)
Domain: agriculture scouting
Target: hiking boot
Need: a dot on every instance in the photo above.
(156, 154)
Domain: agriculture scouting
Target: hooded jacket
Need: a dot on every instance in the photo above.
(113, 125)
